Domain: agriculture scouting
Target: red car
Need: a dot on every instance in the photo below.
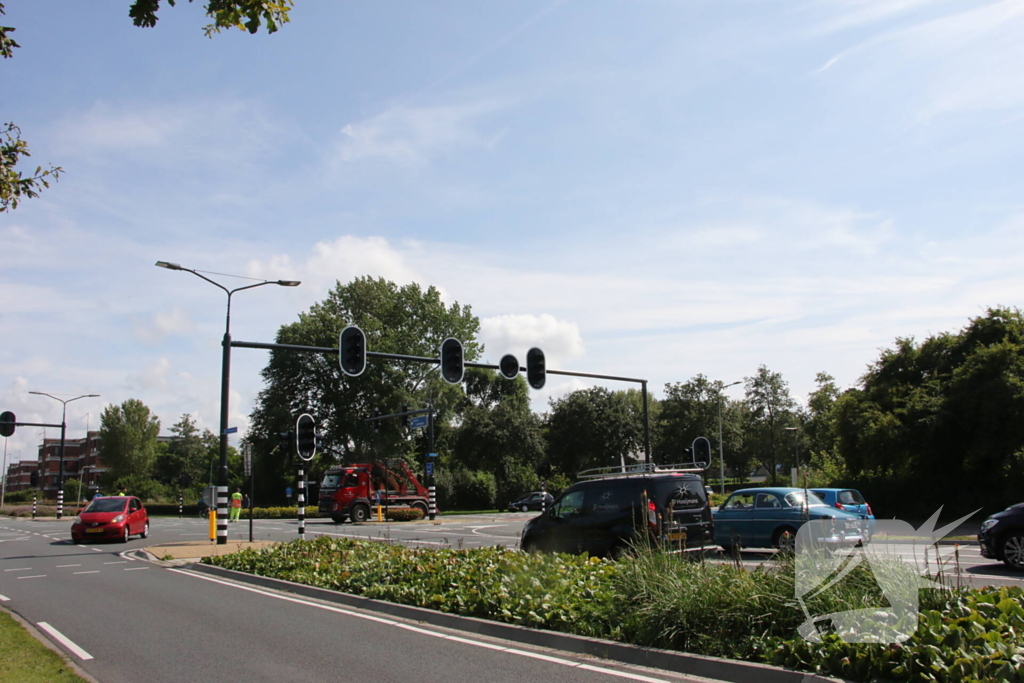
(111, 517)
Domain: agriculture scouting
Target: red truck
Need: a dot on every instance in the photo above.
(352, 491)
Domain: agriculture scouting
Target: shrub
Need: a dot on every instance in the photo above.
(405, 514)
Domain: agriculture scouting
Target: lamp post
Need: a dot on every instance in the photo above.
(63, 431)
(721, 451)
(81, 474)
(225, 380)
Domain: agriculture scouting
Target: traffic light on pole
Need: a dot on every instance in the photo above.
(352, 351)
(305, 436)
(452, 368)
(508, 366)
(536, 372)
(33, 478)
(7, 421)
(701, 451)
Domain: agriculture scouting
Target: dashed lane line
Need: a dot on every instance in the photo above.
(36, 576)
(65, 641)
(4, 598)
(94, 571)
(19, 569)
(64, 566)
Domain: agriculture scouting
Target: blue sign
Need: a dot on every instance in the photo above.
(430, 469)
(418, 421)
(288, 492)
(231, 430)
(431, 455)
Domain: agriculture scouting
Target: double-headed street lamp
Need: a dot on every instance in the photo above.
(225, 380)
(721, 451)
(63, 431)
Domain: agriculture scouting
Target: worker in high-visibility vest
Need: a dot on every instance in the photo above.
(236, 504)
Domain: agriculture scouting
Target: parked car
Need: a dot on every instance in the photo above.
(1002, 536)
(537, 500)
(771, 517)
(848, 500)
(609, 512)
(111, 517)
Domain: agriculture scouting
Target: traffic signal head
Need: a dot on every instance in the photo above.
(508, 366)
(536, 372)
(7, 421)
(33, 478)
(701, 451)
(352, 351)
(305, 436)
(452, 368)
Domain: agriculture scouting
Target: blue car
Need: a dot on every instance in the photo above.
(770, 518)
(848, 500)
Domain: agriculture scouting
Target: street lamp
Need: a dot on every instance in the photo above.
(721, 455)
(225, 380)
(63, 431)
(796, 459)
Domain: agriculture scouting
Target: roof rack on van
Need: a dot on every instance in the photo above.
(640, 469)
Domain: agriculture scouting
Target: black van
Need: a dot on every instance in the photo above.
(609, 512)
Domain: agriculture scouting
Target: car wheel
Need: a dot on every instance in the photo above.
(728, 550)
(422, 507)
(524, 508)
(785, 539)
(145, 531)
(619, 551)
(360, 513)
(1013, 549)
(337, 519)
(531, 546)
(126, 534)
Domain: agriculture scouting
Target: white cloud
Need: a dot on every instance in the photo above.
(559, 339)
(163, 323)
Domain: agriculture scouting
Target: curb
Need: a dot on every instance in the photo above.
(678, 662)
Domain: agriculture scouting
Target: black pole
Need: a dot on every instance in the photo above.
(252, 476)
(60, 475)
(647, 426)
(222, 481)
(431, 487)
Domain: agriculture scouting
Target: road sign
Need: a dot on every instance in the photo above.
(430, 469)
(247, 458)
(418, 421)
(231, 430)
(431, 455)
(288, 492)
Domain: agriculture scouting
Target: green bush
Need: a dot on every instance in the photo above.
(24, 496)
(668, 601)
(405, 514)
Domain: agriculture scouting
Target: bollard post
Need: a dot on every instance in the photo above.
(33, 506)
(180, 501)
(302, 503)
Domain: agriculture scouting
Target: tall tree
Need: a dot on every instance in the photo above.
(17, 185)
(689, 409)
(771, 411)
(187, 454)
(594, 428)
(406, 320)
(128, 434)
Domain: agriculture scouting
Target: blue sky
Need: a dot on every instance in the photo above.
(650, 188)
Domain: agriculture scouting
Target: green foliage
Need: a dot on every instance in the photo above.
(26, 660)
(188, 453)
(464, 489)
(144, 488)
(407, 320)
(771, 411)
(405, 514)
(284, 512)
(247, 15)
(668, 601)
(594, 428)
(22, 496)
(16, 185)
(128, 433)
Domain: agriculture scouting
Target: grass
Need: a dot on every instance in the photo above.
(26, 660)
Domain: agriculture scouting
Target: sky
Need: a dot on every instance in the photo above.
(644, 188)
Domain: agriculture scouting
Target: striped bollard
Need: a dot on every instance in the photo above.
(60, 503)
(33, 506)
(302, 504)
(222, 515)
(432, 501)
(180, 501)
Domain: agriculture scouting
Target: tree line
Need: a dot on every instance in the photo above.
(930, 423)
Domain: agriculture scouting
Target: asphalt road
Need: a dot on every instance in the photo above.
(124, 619)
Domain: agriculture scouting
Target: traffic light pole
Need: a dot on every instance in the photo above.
(484, 366)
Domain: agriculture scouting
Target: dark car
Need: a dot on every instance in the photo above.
(609, 512)
(771, 517)
(1002, 536)
(537, 500)
(112, 518)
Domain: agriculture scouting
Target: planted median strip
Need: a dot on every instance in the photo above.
(664, 601)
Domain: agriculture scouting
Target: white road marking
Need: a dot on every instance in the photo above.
(5, 540)
(4, 598)
(62, 566)
(37, 576)
(65, 641)
(134, 569)
(118, 562)
(94, 571)
(19, 569)
(434, 634)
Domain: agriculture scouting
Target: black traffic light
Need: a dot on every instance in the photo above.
(701, 450)
(286, 441)
(184, 480)
(352, 351)
(7, 421)
(33, 478)
(508, 366)
(536, 372)
(305, 436)
(452, 369)
(405, 418)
